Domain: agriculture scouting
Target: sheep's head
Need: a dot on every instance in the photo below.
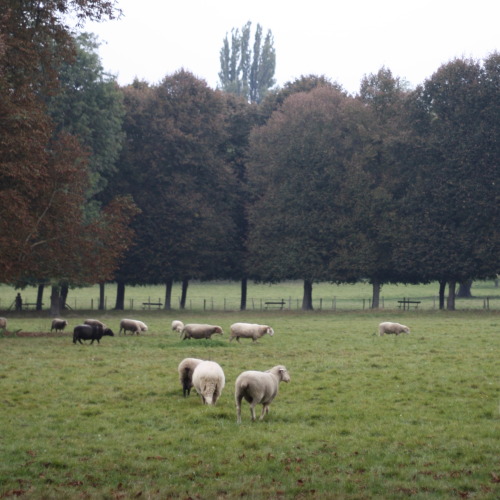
(283, 374)
(218, 330)
(269, 331)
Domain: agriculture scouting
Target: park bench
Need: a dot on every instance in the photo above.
(148, 305)
(30, 305)
(407, 303)
(279, 303)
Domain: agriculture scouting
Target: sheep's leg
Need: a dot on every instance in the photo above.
(252, 411)
(265, 410)
(238, 409)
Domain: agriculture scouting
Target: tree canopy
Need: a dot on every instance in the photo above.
(248, 71)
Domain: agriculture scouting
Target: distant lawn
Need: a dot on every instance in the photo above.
(414, 416)
(225, 296)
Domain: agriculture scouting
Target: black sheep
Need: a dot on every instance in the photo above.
(88, 332)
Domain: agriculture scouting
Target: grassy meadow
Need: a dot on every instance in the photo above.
(225, 296)
(414, 416)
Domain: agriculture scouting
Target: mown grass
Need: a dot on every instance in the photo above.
(225, 296)
(414, 416)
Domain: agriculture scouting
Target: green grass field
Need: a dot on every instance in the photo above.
(414, 416)
(225, 296)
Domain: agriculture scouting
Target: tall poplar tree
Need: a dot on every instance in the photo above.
(248, 72)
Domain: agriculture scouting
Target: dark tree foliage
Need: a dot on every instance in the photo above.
(240, 118)
(379, 195)
(454, 204)
(174, 166)
(275, 97)
(305, 162)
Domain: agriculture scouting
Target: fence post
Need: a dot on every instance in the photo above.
(204, 304)
(91, 304)
(320, 304)
(364, 304)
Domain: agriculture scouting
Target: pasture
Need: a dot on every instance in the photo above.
(413, 416)
(225, 296)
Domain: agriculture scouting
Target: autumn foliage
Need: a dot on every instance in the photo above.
(44, 176)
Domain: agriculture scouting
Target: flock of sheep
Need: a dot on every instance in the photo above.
(207, 377)
(256, 387)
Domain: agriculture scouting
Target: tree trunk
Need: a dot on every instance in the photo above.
(376, 287)
(55, 301)
(169, 284)
(185, 284)
(450, 305)
(39, 296)
(464, 289)
(64, 295)
(243, 302)
(100, 307)
(442, 288)
(307, 304)
(120, 296)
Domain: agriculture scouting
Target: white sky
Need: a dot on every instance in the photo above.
(340, 40)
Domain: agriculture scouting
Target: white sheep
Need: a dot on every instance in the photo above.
(144, 327)
(94, 322)
(130, 325)
(249, 331)
(3, 323)
(186, 368)
(259, 388)
(389, 327)
(200, 331)
(177, 326)
(208, 380)
(58, 324)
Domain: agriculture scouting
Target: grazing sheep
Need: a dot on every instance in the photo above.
(185, 369)
(58, 325)
(249, 331)
(88, 332)
(388, 327)
(200, 331)
(129, 325)
(208, 380)
(93, 322)
(144, 327)
(3, 323)
(177, 326)
(259, 388)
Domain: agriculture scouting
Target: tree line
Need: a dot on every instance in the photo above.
(157, 183)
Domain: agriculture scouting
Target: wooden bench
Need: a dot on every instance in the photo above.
(407, 303)
(280, 303)
(28, 305)
(148, 305)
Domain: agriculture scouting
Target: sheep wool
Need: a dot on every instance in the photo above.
(58, 325)
(3, 323)
(249, 331)
(209, 380)
(177, 326)
(200, 331)
(389, 327)
(186, 368)
(259, 388)
(129, 325)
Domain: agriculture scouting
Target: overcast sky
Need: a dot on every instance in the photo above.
(340, 40)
